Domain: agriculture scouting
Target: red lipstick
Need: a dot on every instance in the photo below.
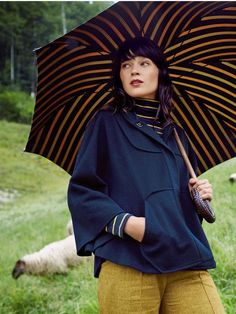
(136, 82)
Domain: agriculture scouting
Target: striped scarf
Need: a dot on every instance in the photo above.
(146, 110)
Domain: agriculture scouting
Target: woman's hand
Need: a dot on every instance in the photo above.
(203, 186)
(135, 227)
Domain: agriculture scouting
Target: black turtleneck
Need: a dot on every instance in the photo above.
(146, 110)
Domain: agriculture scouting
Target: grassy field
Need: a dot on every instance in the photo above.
(39, 213)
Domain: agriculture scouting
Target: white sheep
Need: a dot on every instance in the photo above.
(54, 258)
(232, 177)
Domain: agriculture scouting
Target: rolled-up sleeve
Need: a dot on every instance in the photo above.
(88, 198)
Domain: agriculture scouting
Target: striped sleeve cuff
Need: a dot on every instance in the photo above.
(117, 225)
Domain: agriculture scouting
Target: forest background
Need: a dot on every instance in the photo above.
(25, 26)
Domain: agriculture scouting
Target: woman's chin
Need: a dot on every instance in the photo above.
(139, 94)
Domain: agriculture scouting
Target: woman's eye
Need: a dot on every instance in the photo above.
(125, 66)
(145, 63)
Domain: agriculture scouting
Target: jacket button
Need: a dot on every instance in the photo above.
(139, 124)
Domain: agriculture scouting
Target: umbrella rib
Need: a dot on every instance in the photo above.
(219, 70)
(197, 38)
(55, 140)
(105, 34)
(221, 113)
(199, 156)
(224, 133)
(208, 91)
(230, 8)
(82, 123)
(202, 130)
(81, 66)
(220, 55)
(123, 23)
(205, 27)
(146, 7)
(199, 11)
(52, 105)
(213, 131)
(186, 25)
(209, 56)
(37, 125)
(183, 16)
(217, 17)
(163, 16)
(36, 141)
(70, 126)
(131, 15)
(89, 80)
(231, 127)
(217, 78)
(206, 83)
(93, 37)
(230, 65)
(151, 16)
(49, 132)
(177, 24)
(87, 55)
(40, 53)
(55, 61)
(71, 78)
(115, 30)
(202, 45)
(202, 114)
(215, 102)
(75, 39)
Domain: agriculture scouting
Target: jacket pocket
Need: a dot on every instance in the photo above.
(168, 243)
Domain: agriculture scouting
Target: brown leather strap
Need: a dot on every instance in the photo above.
(184, 155)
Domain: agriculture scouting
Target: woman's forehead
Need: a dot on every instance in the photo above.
(134, 57)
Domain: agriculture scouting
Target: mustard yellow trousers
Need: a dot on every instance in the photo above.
(123, 290)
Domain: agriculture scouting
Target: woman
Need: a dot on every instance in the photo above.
(130, 201)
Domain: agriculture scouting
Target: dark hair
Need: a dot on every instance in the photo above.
(141, 46)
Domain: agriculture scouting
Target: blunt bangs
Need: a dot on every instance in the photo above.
(138, 47)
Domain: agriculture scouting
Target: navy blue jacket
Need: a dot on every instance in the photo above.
(124, 166)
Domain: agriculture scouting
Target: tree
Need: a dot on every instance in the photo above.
(28, 25)
(10, 25)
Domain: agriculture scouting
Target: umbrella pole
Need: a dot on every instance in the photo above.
(203, 206)
(184, 155)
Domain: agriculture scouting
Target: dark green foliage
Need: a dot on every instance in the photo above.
(16, 106)
(26, 25)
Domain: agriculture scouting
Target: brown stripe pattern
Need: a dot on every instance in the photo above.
(199, 42)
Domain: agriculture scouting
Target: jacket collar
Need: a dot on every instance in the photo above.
(133, 120)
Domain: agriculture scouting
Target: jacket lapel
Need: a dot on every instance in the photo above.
(154, 138)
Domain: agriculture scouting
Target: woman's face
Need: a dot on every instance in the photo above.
(139, 77)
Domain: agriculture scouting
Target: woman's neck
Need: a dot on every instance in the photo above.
(147, 110)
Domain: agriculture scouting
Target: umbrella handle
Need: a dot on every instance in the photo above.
(184, 155)
(203, 207)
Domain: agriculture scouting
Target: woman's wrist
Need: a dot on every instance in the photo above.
(135, 227)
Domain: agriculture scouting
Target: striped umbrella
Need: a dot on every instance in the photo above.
(199, 42)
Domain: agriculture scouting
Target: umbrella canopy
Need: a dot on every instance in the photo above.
(199, 42)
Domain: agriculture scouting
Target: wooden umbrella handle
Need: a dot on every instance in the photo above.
(203, 207)
(184, 155)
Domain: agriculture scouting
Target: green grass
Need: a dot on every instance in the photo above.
(39, 216)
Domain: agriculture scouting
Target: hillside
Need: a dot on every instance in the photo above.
(37, 214)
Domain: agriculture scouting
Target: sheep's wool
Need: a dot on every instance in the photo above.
(55, 257)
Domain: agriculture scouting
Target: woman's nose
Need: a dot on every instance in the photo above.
(134, 71)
